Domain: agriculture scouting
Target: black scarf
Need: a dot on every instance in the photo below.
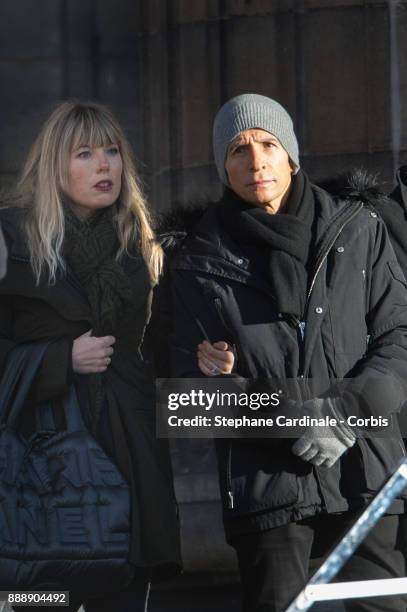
(287, 236)
(118, 291)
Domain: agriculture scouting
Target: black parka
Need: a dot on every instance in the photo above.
(60, 313)
(355, 326)
(393, 211)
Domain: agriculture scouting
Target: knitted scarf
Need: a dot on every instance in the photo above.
(286, 237)
(116, 292)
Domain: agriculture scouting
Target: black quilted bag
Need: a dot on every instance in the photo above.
(64, 506)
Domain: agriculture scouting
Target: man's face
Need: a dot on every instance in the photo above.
(258, 169)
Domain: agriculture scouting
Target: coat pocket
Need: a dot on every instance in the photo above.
(257, 483)
(397, 272)
(381, 457)
(266, 492)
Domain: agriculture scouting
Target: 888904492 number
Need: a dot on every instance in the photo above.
(39, 598)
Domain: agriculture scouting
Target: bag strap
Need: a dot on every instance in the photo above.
(73, 413)
(23, 362)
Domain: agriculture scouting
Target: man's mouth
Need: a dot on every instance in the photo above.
(260, 183)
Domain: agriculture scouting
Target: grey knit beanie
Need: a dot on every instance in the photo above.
(252, 111)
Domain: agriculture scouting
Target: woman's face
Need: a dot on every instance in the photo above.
(259, 170)
(94, 178)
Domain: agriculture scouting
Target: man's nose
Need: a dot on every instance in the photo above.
(256, 158)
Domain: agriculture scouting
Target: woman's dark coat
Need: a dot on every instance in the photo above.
(355, 326)
(59, 314)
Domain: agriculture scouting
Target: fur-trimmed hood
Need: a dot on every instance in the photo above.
(173, 226)
(357, 185)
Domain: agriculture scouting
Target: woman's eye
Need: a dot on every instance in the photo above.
(84, 154)
(113, 150)
(237, 150)
(269, 145)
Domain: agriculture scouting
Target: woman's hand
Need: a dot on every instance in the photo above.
(216, 358)
(91, 355)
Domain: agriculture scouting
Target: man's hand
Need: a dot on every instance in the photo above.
(323, 445)
(91, 355)
(216, 358)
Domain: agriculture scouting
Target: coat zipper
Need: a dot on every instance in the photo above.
(302, 324)
(218, 307)
(327, 250)
(229, 478)
(233, 345)
(301, 338)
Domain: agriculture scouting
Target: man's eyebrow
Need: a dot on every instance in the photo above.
(269, 137)
(236, 143)
(242, 141)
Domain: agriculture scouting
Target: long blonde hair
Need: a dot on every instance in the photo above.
(45, 174)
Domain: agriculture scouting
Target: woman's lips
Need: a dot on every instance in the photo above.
(104, 186)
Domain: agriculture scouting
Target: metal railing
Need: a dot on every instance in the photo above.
(318, 589)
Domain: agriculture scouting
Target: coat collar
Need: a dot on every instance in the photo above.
(67, 295)
(208, 248)
(400, 192)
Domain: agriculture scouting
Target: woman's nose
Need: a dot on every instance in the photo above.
(103, 161)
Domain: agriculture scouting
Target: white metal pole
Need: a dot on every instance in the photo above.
(355, 589)
(347, 546)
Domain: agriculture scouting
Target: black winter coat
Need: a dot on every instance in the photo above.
(355, 326)
(393, 211)
(59, 314)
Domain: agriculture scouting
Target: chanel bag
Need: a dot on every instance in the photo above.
(64, 506)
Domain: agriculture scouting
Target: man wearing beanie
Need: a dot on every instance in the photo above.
(279, 280)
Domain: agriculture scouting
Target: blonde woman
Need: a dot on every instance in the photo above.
(82, 266)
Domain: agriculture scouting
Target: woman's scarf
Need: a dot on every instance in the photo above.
(118, 294)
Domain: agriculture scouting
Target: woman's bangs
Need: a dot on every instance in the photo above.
(93, 131)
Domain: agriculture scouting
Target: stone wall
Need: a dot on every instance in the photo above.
(165, 66)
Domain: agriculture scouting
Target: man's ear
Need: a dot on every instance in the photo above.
(292, 165)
